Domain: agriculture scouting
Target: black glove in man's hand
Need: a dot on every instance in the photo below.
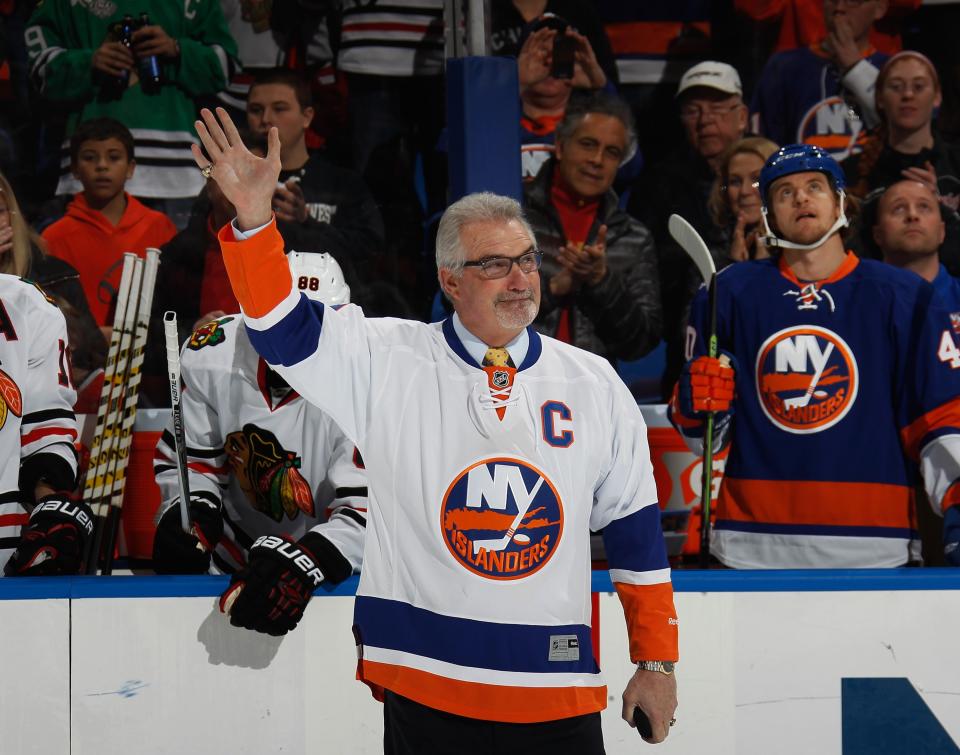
(271, 592)
(53, 541)
(177, 552)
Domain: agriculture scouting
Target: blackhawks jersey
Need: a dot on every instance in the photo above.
(37, 425)
(475, 592)
(842, 386)
(278, 464)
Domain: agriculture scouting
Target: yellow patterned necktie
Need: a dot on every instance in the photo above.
(500, 371)
(497, 358)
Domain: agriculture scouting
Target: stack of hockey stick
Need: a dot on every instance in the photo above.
(110, 451)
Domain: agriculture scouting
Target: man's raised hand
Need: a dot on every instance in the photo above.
(246, 180)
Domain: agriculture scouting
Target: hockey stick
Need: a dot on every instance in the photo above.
(498, 544)
(173, 373)
(798, 402)
(124, 441)
(688, 238)
(109, 393)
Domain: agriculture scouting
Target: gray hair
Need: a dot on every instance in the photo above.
(600, 103)
(473, 208)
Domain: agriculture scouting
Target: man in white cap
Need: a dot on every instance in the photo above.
(713, 115)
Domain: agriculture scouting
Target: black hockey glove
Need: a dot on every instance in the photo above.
(175, 551)
(53, 541)
(271, 592)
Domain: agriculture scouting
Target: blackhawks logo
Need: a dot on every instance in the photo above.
(208, 335)
(268, 474)
(10, 398)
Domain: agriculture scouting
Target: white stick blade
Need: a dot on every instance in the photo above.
(687, 237)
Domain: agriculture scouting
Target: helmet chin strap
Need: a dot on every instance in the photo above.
(771, 240)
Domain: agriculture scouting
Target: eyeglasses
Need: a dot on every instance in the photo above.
(694, 113)
(500, 267)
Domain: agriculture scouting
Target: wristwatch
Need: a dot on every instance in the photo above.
(664, 667)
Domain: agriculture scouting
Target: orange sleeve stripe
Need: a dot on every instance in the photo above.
(258, 269)
(491, 702)
(651, 621)
(945, 415)
(854, 504)
(951, 497)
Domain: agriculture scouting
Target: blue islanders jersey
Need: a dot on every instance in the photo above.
(843, 385)
(800, 100)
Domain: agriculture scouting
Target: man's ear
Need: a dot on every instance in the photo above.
(449, 283)
(130, 168)
(880, 11)
(308, 113)
(875, 232)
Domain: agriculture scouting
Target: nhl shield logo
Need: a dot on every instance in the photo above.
(807, 379)
(501, 518)
(500, 379)
(955, 322)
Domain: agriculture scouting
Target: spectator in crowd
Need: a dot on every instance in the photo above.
(713, 116)
(734, 200)
(908, 229)
(103, 221)
(261, 460)
(822, 94)
(43, 531)
(78, 56)
(320, 207)
(907, 144)
(600, 289)
(802, 23)
(23, 253)
(510, 19)
(906, 222)
(543, 96)
(396, 112)
(296, 35)
(821, 350)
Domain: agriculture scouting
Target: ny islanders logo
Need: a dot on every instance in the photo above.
(807, 379)
(501, 518)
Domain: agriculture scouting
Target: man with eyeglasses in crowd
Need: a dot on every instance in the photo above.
(713, 116)
(823, 94)
(600, 290)
(491, 452)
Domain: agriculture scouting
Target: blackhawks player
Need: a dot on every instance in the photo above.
(38, 462)
(266, 468)
(847, 380)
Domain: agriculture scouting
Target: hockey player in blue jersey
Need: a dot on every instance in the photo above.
(844, 382)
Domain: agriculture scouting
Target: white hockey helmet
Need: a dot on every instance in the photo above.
(319, 277)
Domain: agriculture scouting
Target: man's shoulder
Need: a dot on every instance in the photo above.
(795, 57)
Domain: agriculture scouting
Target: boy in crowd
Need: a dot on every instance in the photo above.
(103, 221)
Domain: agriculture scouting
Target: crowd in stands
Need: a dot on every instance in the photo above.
(667, 110)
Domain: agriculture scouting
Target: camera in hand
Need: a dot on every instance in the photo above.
(564, 49)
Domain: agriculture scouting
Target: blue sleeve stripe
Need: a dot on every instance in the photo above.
(898, 533)
(938, 433)
(635, 542)
(294, 338)
(395, 625)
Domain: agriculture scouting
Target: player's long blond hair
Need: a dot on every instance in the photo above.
(17, 260)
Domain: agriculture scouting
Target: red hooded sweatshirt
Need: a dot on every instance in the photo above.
(88, 241)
